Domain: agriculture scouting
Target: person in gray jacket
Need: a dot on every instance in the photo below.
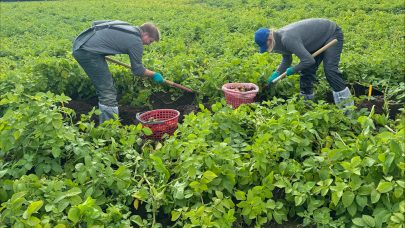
(111, 37)
(301, 39)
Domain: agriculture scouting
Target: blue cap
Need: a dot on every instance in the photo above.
(261, 36)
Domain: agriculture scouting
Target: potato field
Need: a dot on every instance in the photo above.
(280, 161)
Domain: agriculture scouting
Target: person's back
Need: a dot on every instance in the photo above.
(110, 41)
(313, 33)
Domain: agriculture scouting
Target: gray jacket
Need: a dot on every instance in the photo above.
(302, 38)
(124, 38)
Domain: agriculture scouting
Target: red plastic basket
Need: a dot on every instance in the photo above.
(160, 121)
(235, 97)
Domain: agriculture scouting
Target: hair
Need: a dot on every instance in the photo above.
(152, 30)
(273, 41)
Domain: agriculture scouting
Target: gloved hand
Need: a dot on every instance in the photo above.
(289, 71)
(158, 78)
(272, 77)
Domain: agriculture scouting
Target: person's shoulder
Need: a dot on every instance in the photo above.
(288, 37)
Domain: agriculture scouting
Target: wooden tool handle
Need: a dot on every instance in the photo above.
(322, 49)
(117, 62)
(166, 81)
(178, 86)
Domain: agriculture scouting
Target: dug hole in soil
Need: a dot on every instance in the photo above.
(376, 100)
(127, 114)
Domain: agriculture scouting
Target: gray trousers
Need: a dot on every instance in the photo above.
(96, 68)
(331, 59)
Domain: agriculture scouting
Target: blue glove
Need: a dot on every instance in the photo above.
(289, 71)
(158, 78)
(272, 77)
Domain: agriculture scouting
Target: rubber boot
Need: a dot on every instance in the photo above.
(307, 96)
(107, 112)
(343, 98)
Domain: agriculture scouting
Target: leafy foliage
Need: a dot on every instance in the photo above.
(275, 162)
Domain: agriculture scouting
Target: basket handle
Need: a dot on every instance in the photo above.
(147, 122)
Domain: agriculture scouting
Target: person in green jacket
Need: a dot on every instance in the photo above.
(301, 39)
(111, 37)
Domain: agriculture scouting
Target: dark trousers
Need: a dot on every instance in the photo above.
(331, 59)
(96, 68)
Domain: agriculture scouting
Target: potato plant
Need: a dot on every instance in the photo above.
(280, 161)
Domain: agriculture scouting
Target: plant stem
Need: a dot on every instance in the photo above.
(390, 129)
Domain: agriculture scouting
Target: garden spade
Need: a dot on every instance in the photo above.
(163, 99)
(166, 81)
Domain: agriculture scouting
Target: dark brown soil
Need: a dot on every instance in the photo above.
(127, 114)
(378, 103)
(376, 100)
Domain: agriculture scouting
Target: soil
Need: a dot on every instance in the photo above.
(185, 105)
(376, 100)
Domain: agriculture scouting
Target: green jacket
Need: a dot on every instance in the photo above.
(111, 38)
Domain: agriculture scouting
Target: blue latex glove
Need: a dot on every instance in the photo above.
(272, 77)
(289, 71)
(158, 78)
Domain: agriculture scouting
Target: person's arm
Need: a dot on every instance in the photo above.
(135, 57)
(148, 73)
(297, 47)
(285, 63)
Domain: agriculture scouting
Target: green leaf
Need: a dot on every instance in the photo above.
(402, 206)
(397, 218)
(240, 195)
(299, 200)
(3, 172)
(74, 214)
(352, 209)
(209, 175)
(271, 204)
(359, 222)
(335, 198)
(368, 161)
(365, 190)
(375, 196)
(369, 220)
(395, 147)
(175, 215)
(73, 191)
(279, 216)
(49, 207)
(32, 208)
(401, 183)
(138, 220)
(62, 205)
(355, 182)
(147, 131)
(33, 221)
(159, 166)
(355, 161)
(347, 198)
(361, 201)
(384, 187)
(219, 194)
